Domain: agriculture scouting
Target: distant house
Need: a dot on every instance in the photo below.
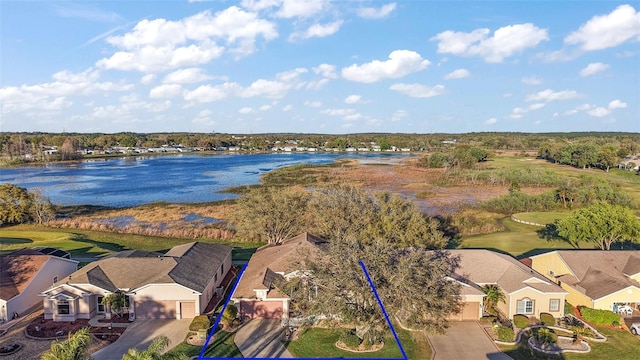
(24, 274)
(594, 278)
(176, 285)
(526, 291)
(256, 295)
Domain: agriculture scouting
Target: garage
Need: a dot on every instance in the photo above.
(261, 309)
(187, 310)
(150, 309)
(470, 311)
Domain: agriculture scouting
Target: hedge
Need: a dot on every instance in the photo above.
(599, 317)
(199, 322)
(547, 319)
(504, 333)
(520, 321)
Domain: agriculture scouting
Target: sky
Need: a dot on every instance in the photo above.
(319, 66)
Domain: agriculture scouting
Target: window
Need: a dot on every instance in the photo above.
(215, 278)
(55, 279)
(552, 273)
(222, 269)
(554, 305)
(100, 304)
(525, 306)
(63, 307)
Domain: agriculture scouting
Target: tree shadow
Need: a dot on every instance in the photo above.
(449, 230)
(100, 244)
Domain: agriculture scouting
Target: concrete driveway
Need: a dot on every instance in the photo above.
(141, 333)
(260, 338)
(465, 340)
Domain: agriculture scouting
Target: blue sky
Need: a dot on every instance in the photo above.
(334, 67)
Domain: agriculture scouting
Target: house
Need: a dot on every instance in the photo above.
(594, 278)
(256, 295)
(27, 272)
(176, 285)
(526, 291)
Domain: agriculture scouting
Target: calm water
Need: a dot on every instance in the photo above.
(139, 180)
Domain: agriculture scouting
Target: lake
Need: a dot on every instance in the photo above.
(137, 180)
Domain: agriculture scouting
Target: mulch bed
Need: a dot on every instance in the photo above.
(116, 320)
(49, 329)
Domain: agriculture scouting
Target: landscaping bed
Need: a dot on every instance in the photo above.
(48, 329)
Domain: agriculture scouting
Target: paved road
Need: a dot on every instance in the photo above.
(465, 340)
(141, 333)
(260, 338)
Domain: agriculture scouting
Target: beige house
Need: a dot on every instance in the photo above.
(175, 285)
(594, 278)
(526, 291)
(256, 296)
(24, 274)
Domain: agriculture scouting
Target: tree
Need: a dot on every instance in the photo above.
(270, 214)
(494, 296)
(379, 216)
(74, 348)
(41, 209)
(601, 223)
(229, 315)
(608, 157)
(69, 148)
(116, 302)
(14, 204)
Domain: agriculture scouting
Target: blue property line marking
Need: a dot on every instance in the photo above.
(386, 316)
(373, 288)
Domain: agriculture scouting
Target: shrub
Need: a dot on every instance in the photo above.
(599, 317)
(504, 333)
(547, 319)
(488, 319)
(199, 322)
(350, 339)
(521, 321)
(545, 336)
(568, 308)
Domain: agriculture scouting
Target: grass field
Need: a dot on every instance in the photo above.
(316, 342)
(517, 240)
(540, 217)
(89, 244)
(620, 345)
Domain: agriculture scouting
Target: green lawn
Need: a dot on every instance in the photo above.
(223, 347)
(517, 240)
(542, 217)
(317, 342)
(88, 243)
(620, 345)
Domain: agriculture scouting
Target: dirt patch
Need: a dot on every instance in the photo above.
(46, 329)
(115, 320)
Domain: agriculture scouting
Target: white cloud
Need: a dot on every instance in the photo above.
(314, 104)
(352, 99)
(156, 45)
(505, 42)
(265, 107)
(258, 5)
(617, 104)
(287, 107)
(246, 110)
(147, 79)
(291, 75)
(186, 76)
(458, 74)
(206, 93)
(399, 115)
(301, 8)
(518, 112)
(550, 95)
(165, 91)
(317, 30)
(346, 114)
(418, 90)
(599, 112)
(399, 64)
(531, 80)
(605, 31)
(491, 121)
(593, 68)
(326, 70)
(373, 13)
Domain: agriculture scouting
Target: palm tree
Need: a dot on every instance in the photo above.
(74, 348)
(494, 295)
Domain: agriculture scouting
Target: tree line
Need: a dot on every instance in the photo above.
(19, 205)
(585, 154)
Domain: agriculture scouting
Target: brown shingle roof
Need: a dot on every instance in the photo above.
(285, 258)
(17, 271)
(488, 267)
(599, 273)
(191, 265)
